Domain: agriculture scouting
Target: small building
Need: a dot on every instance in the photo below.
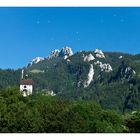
(26, 85)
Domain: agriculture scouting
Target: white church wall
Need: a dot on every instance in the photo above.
(29, 89)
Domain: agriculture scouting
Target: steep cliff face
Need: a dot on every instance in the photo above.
(89, 76)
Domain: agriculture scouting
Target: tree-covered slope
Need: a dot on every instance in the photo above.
(9, 78)
(110, 78)
(39, 113)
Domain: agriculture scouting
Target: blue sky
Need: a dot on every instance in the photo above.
(26, 33)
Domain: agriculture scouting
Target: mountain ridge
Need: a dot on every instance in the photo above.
(110, 78)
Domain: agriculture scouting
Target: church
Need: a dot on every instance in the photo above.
(26, 85)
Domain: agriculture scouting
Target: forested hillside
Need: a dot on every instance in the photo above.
(9, 78)
(111, 79)
(45, 114)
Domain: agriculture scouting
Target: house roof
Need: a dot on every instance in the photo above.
(26, 82)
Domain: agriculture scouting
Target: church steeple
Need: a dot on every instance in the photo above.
(26, 84)
(22, 73)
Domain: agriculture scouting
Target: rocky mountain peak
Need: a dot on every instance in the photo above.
(66, 52)
(63, 53)
(99, 53)
(89, 57)
(54, 53)
(36, 60)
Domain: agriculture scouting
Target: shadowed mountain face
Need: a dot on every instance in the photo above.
(110, 78)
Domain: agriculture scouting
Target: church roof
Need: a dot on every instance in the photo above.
(26, 82)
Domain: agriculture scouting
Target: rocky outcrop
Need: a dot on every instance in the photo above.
(89, 77)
